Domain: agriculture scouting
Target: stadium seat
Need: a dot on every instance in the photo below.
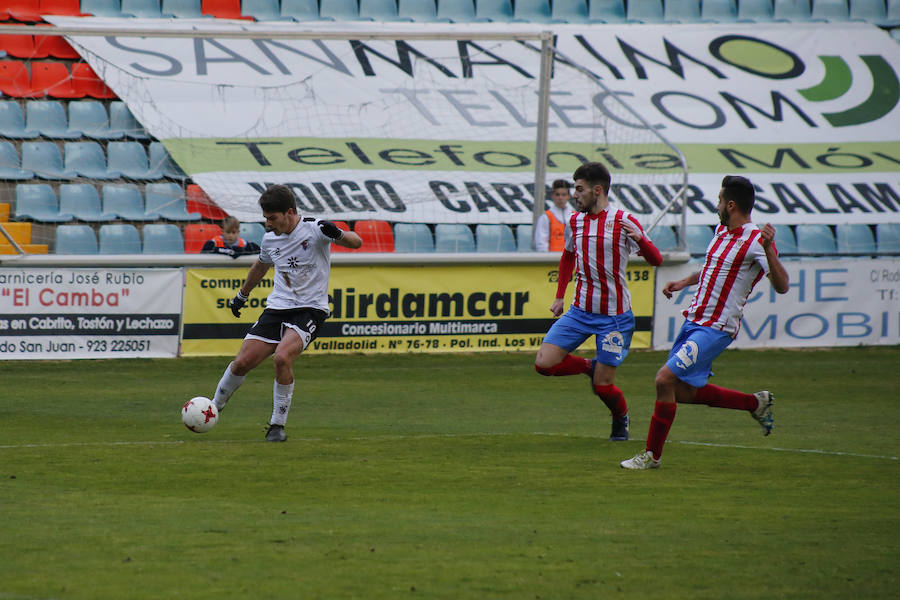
(871, 11)
(182, 9)
(499, 11)
(12, 121)
(68, 8)
(854, 239)
(525, 238)
(20, 46)
(606, 11)
(167, 200)
(420, 11)
(141, 8)
(792, 10)
(339, 10)
(888, 237)
(122, 119)
(199, 202)
(261, 10)
(456, 11)
(88, 83)
(300, 10)
(892, 18)
(664, 238)
(196, 234)
(37, 202)
(90, 118)
(698, 237)
(786, 243)
(55, 46)
(86, 159)
(53, 79)
(82, 201)
(815, 239)
(10, 166)
(830, 10)
(102, 8)
(223, 9)
(162, 238)
(755, 10)
(378, 10)
(119, 238)
(130, 159)
(49, 118)
(125, 200)
(531, 11)
(44, 159)
(161, 163)
(343, 227)
(681, 11)
(15, 80)
(719, 11)
(75, 239)
(646, 11)
(252, 232)
(413, 238)
(569, 11)
(377, 236)
(23, 10)
(494, 238)
(453, 237)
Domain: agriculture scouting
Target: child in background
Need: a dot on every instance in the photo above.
(230, 242)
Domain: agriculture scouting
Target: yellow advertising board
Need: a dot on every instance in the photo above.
(406, 308)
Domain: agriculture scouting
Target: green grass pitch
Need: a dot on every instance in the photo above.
(453, 477)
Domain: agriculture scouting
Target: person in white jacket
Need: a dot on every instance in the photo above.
(549, 232)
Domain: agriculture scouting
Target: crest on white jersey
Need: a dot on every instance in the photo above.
(687, 355)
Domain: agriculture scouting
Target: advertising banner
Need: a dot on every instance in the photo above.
(444, 130)
(830, 303)
(377, 309)
(89, 313)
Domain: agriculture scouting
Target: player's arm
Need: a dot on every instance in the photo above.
(677, 286)
(347, 239)
(777, 273)
(257, 271)
(566, 265)
(647, 248)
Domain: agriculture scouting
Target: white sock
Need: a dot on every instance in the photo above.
(228, 385)
(281, 403)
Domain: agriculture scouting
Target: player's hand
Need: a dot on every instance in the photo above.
(767, 235)
(331, 230)
(557, 307)
(237, 303)
(671, 287)
(632, 230)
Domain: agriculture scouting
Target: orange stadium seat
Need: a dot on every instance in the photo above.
(21, 46)
(86, 81)
(223, 9)
(23, 10)
(199, 202)
(196, 234)
(15, 81)
(69, 8)
(377, 236)
(53, 79)
(53, 45)
(342, 225)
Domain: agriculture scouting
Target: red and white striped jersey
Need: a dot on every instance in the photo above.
(735, 262)
(601, 248)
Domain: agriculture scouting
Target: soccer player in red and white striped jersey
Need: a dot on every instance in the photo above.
(736, 259)
(599, 240)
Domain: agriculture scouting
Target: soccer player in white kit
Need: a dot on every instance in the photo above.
(300, 250)
(736, 259)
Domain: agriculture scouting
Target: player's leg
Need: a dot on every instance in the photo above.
(603, 383)
(252, 352)
(613, 335)
(553, 357)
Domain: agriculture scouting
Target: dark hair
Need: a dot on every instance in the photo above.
(561, 184)
(739, 190)
(277, 198)
(594, 173)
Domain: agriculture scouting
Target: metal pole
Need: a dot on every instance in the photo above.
(540, 150)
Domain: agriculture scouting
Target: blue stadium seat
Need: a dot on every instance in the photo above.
(525, 238)
(792, 10)
(125, 200)
(871, 11)
(252, 232)
(719, 11)
(119, 238)
(456, 11)
(86, 159)
(162, 238)
(664, 238)
(755, 10)
(830, 10)
(262, 10)
(130, 159)
(815, 239)
(10, 166)
(83, 202)
(499, 11)
(90, 118)
(102, 8)
(339, 10)
(892, 18)
(45, 160)
(75, 239)
(300, 10)
(681, 11)
(698, 237)
(167, 200)
(12, 122)
(786, 243)
(453, 237)
(646, 11)
(569, 11)
(162, 164)
(37, 202)
(420, 11)
(531, 11)
(888, 237)
(413, 237)
(606, 11)
(49, 118)
(121, 119)
(379, 10)
(494, 238)
(854, 238)
(182, 9)
(141, 8)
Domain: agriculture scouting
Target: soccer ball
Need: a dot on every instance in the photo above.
(199, 414)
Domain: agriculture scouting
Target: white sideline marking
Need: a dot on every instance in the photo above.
(437, 436)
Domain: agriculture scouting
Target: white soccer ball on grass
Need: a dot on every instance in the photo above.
(199, 414)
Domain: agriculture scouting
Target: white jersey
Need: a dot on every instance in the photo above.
(735, 262)
(302, 260)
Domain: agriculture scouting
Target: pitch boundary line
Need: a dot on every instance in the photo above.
(797, 450)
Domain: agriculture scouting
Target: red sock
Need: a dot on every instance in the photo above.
(713, 395)
(570, 365)
(660, 423)
(613, 398)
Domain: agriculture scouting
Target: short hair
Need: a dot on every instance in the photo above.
(229, 223)
(739, 190)
(277, 198)
(594, 173)
(561, 184)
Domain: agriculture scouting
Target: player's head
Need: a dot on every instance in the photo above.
(279, 207)
(231, 230)
(736, 192)
(560, 192)
(591, 186)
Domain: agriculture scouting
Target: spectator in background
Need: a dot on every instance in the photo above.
(230, 242)
(549, 233)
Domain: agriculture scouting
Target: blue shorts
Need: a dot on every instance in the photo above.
(693, 352)
(613, 333)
